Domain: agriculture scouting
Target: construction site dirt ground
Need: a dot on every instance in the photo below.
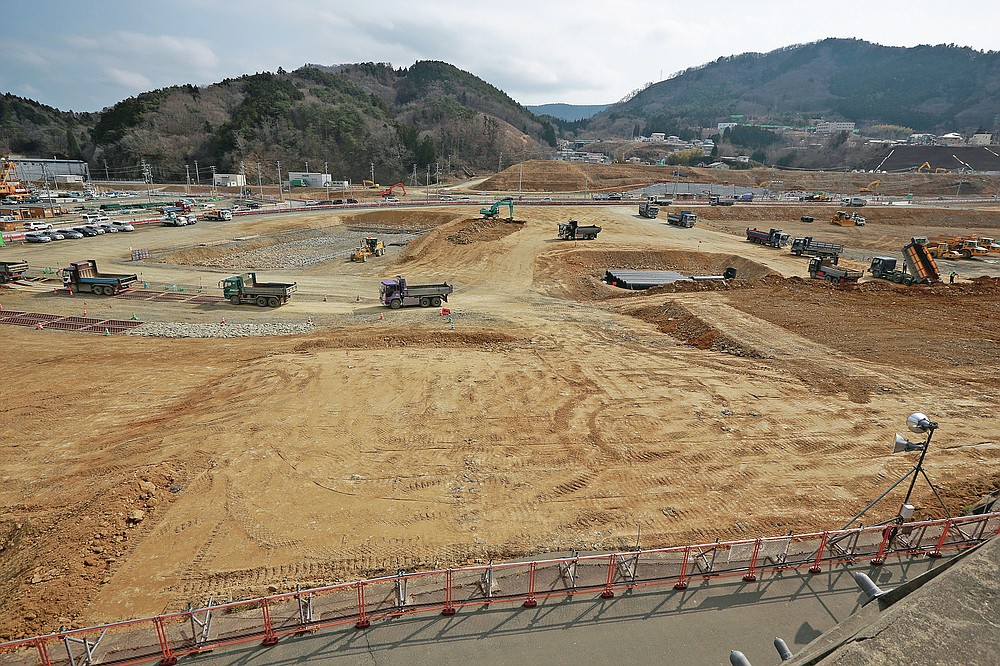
(547, 412)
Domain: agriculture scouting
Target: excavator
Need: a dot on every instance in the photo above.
(493, 212)
(369, 185)
(871, 187)
(926, 166)
(388, 192)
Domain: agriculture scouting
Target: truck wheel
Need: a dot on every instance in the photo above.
(425, 302)
(108, 290)
(436, 301)
(262, 301)
(395, 304)
(235, 299)
(908, 281)
(273, 302)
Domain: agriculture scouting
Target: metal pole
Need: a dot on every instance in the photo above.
(281, 194)
(919, 466)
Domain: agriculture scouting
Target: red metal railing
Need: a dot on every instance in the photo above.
(166, 637)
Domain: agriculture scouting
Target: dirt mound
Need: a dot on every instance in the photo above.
(483, 231)
(409, 219)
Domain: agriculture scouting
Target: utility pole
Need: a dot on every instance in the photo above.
(147, 175)
(427, 186)
(373, 173)
(213, 178)
(520, 178)
(197, 176)
(260, 182)
(187, 179)
(243, 178)
(107, 174)
(500, 163)
(281, 193)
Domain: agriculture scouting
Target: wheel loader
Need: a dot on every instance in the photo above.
(370, 247)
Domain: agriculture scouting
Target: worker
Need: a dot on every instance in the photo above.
(951, 278)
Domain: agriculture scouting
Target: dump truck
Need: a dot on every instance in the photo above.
(573, 230)
(716, 200)
(686, 219)
(240, 289)
(918, 266)
(808, 246)
(772, 238)
(846, 219)
(370, 247)
(824, 269)
(853, 201)
(12, 270)
(649, 210)
(83, 276)
(396, 293)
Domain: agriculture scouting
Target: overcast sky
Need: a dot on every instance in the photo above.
(85, 56)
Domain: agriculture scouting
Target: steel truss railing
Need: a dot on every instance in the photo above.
(166, 637)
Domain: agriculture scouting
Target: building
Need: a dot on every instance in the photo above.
(724, 126)
(37, 169)
(229, 180)
(829, 127)
(981, 139)
(951, 139)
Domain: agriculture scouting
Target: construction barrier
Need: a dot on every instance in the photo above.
(166, 637)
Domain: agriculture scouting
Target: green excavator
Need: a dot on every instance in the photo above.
(493, 212)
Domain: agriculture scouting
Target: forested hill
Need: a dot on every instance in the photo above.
(928, 88)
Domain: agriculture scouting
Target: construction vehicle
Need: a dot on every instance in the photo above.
(918, 266)
(817, 196)
(942, 170)
(772, 238)
(172, 219)
(221, 215)
(370, 185)
(370, 247)
(846, 219)
(83, 276)
(385, 194)
(12, 270)
(493, 212)
(649, 209)
(857, 202)
(942, 251)
(991, 245)
(685, 219)
(814, 248)
(240, 289)
(10, 186)
(716, 200)
(926, 166)
(967, 248)
(871, 187)
(824, 269)
(396, 293)
(573, 231)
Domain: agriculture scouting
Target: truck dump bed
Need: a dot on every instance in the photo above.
(920, 262)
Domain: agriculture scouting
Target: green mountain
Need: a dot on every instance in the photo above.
(928, 88)
(343, 118)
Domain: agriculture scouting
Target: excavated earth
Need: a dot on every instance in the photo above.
(546, 411)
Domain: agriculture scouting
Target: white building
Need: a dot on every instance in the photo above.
(229, 180)
(724, 126)
(829, 127)
(981, 139)
(951, 139)
(37, 168)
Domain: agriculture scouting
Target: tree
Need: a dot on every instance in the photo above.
(426, 152)
(759, 156)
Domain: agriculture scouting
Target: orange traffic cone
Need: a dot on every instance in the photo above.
(85, 312)
(71, 294)
(324, 298)
(381, 317)
(309, 321)
(38, 326)
(223, 322)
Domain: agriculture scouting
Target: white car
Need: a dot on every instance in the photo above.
(122, 225)
(37, 237)
(391, 200)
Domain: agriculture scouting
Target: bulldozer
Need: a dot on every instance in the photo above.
(851, 219)
(370, 247)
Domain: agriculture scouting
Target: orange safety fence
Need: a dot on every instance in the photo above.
(166, 637)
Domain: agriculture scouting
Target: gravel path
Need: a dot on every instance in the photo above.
(301, 252)
(227, 330)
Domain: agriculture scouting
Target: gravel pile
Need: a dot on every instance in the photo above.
(299, 253)
(227, 330)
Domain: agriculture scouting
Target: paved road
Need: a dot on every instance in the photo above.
(653, 626)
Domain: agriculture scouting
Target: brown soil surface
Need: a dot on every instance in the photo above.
(549, 411)
(547, 176)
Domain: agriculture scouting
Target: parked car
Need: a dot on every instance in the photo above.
(96, 228)
(37, 237)
(350, 201)
(108, 228)
(391, 200)
(122, 225)
(53, 234)
(86, 231)
(36, 225)
(71, 233)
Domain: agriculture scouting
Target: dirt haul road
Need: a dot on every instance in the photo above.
(548, 412)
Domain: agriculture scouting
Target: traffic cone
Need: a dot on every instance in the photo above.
(358, 299)
(39, 327)
(324, 298)
(309, 321)
(106, 331)
(134, 318)
(381, 317)
(85, 312)
(223, 322)
(70, 287)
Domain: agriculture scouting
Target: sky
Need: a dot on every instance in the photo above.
(86, 55)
